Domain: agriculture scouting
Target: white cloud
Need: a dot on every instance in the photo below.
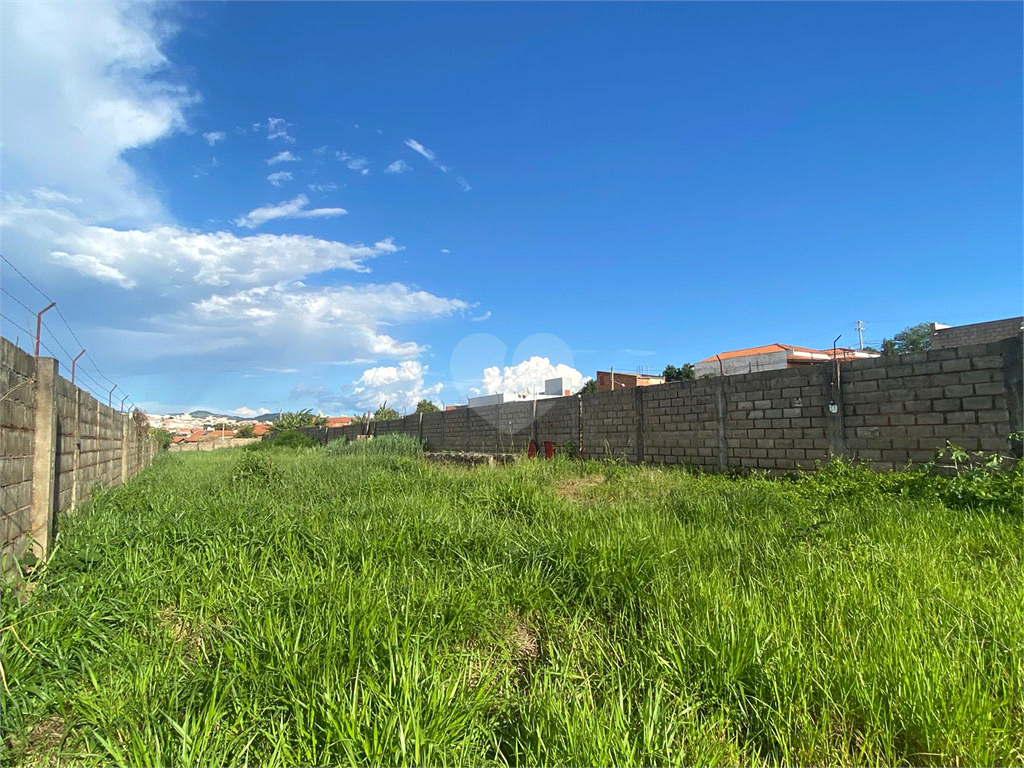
(214, 136)
(290, 209)
(171, 255)
(53, 196)
(432, 157)
(402, 386)
(417, 147)
(283, 157)
(92, 82)
(277, 178)
(399, 166)
(354, 163)
(321, 150)
(480, 318)
(327, 187)
(257, 126)
(248, 413)
(277, 128)
(527, 377)
(445, 250)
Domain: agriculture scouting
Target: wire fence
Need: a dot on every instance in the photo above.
(86, 372)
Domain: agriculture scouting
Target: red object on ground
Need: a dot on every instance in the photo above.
(532, 452)
(549, 449)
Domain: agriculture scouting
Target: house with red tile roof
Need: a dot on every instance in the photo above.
(339, 421)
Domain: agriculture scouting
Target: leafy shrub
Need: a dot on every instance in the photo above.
(254, 467)
(956, 478)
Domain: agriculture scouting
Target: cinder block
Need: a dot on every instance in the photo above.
(980, 403)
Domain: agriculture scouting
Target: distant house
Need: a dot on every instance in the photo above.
(338, 421)
(260, 429)
(195, 437)
(772, 357)
(215, 433)
(608, 381)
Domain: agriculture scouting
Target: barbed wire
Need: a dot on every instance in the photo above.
(79, 370)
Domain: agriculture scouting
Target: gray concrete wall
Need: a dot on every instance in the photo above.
(889, 412)
(215, 444)
(975, 333)
(770, 361)
(57, 443)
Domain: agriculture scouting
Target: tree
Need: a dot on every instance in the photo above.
(297, 420)
(425, 406)
(913, 338)
(386, 414)
(246, 430)
(683, 373)
(586, 389)
(162, 435)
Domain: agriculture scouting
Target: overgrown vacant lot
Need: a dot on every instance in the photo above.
(353, 606)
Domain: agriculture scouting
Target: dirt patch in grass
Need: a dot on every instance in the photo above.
(575, 487)
(184, 631)
(42, 742)
(517, 653)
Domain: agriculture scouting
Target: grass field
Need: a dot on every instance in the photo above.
(355, 606)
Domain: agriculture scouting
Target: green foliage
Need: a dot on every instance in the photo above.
(588, 387)
(425, 406)
(297, 420)
(162, 435)
(683, 373)
(254, 467)
(328, 607)
(386, 414)
(286, 439)
(383, 445)
(914, 338)
(244, 431)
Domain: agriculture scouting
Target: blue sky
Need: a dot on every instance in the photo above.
(261, 206)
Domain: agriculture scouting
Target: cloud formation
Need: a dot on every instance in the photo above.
(431, 156)
(283, 157)
(290, 209)
(399, 166)
(280, 176)
(213, 137)
(401, 386)
(354, 163)
(92, 83)
(277, 128)
(528, 377)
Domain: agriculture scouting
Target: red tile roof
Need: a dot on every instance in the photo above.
(794, 351)
(261, 429)
(339, 421)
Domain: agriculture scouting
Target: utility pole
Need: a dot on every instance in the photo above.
(860, 332)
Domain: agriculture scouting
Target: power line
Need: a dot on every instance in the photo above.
(60, 314)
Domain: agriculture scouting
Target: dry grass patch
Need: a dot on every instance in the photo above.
(576, 487)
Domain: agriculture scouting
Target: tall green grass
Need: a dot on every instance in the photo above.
(353, 606)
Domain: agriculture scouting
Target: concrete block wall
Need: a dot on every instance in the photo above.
(976, 333)
(888, 412)
(680, 423)
(558, 421)
(610, 424)
(17, 437)
(57, 443)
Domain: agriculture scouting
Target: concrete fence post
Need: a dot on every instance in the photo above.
(44, 458)
(124, 450)
(419, 431)
(723, 445)
(835, 423)
(77, 458)
(469, 442)
(638, 404)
